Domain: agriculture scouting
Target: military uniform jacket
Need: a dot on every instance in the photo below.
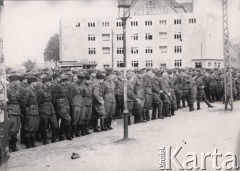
(147, 84)
(138, 88)
(30, 102)
(44, 98)
(60, 96)
(98, 98)
(13, 100)
(163, 84)
(87, 93)
(119, 87)
(109, 92)
(75, 95)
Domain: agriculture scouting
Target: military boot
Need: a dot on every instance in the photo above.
(62, 132)
(73, 131)
(109, 126)
(68, 132)
(78, 131)
(198, 106)
(209, 105)
(44, 133)
(86, 128)
(160, 113)
(28, 142)
(103, 128)
(32, 139)
(54, 135)
(154, 112)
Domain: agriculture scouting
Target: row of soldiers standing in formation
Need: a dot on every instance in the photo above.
(71, 102)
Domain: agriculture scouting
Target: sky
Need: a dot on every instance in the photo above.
(28, 25)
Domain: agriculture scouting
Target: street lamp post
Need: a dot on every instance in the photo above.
(124, 13)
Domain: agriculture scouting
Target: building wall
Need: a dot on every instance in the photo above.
(201, 39)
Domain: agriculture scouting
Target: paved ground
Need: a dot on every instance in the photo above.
(199, 131)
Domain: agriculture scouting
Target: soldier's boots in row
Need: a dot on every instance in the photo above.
(13, 144)
(191, 107)
(65, 132)
(30, 141)
(165, 110)
(157, 109)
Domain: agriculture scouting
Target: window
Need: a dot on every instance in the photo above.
(215, 64)
(106, 37)
(134, 36)
(163, 66)
(163, 35)
(134, 50)
(106, 65)
(91, 37)
(119, 50)
(91, 24)
(148, 23)
(149, 63)
(119, 24)
(163, 49)
(91, 51)
(148, 50)
(219, 64)
(105, 24)
(198, 64)
(135, 64)
(119, 36)
(106, 50)
(209, 64)
(120, 64)
(91, 62)
(177, 21)
(178, 63)
(162, 22)
(192, 20)
(148, 36)
(78, 24)
(178, 49)
(134, 23)
(178, 35)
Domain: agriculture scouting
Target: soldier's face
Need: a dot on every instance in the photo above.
(48, 84)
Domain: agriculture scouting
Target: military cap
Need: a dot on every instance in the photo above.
(90, 71)
(13, 78)
(81, 75)
(55, 75)
(109, 71)
(100, 75)
(169, 72)
(66, 77)
(31, 79)
(87, 76)
(46, 79)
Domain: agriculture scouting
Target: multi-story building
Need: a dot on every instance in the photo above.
(160, 34)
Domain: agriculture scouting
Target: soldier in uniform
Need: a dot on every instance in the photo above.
(157, 102)
(192, 91)
(164, 86)
(85, 85)
(13, 110)
(147, 84)
(60, 97)
(139, 92)
(119, 95)
(201, 96)
(47, 111)
(98, 103)
(22, 91)
(77, 107)
(131, 97)
(109, 98)
(238, 85)
(30, 105)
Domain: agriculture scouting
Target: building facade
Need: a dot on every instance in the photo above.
(158, 36)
